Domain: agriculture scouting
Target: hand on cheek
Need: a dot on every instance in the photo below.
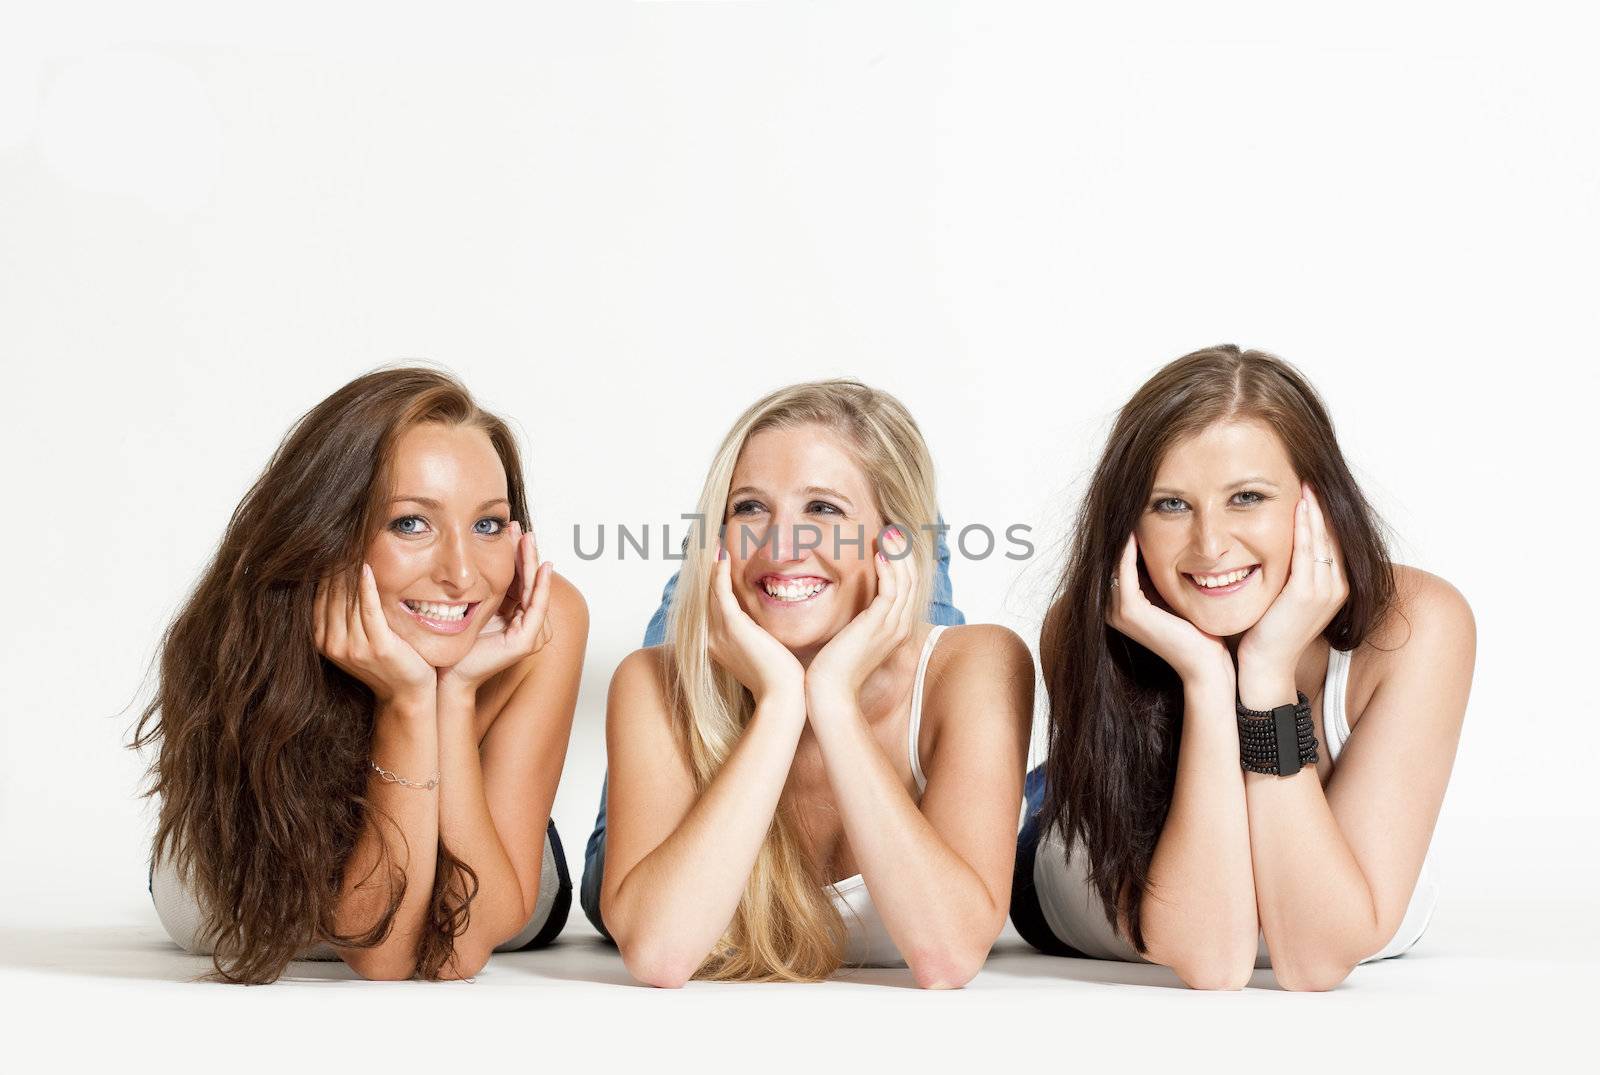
(842, 665)
(524, 615)
(1312, 595)
(1136, 609)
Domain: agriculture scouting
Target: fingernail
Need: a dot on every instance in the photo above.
(722, 554)
(882, 557)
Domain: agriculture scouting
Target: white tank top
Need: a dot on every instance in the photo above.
(1072, 907)
(867, 940)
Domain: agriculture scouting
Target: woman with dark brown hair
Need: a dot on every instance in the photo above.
(364, 705)
(1253, 712)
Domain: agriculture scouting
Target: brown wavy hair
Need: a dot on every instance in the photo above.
(262, 766)
(1116, 709)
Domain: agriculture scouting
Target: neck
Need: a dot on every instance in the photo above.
(887, 685)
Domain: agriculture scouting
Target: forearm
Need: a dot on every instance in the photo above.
(467, 830)
(673, 906)
(934, 904)
(404, 823)
(1316, 908)
(1199, 913)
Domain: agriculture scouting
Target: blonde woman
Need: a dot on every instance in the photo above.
(807, 774)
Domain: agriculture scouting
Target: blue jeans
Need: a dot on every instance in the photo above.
(941, 610)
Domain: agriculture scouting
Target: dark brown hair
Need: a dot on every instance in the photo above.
(1116, 709)
(262, 767)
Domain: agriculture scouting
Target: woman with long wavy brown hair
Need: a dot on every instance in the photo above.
(1227, 606)
(364, 705)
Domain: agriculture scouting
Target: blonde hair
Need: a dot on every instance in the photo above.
(786, 928)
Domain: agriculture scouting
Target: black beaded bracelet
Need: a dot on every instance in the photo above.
(1277, 741)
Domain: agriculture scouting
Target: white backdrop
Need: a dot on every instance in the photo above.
(621, 222)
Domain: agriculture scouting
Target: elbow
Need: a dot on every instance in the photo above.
(1317, 964)
(462, 965)
(1215, 974)
(657, 965)
(1311, 975)
(374, 968)
(1213, 959)
(649, 958)
(1219, 967)
(946, 966)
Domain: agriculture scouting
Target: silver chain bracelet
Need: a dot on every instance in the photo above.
(393, 778)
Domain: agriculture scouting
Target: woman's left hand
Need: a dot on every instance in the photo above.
(1315, 591)
(517, 629)
(842, 665)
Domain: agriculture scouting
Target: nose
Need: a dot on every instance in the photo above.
(1211, 538)
(783, 542)
(452, 567)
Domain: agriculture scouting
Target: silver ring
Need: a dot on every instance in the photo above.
(1320, 560)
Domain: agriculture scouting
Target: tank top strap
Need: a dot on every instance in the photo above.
(1335, 720)
(915, 724)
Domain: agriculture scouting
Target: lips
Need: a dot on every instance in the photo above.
(435, 615)
(1237, 582)
(790, 591)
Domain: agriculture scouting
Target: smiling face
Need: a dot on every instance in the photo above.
(1217, 534)
(444, 557)
(801, 523)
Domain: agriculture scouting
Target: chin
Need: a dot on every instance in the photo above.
(1225, 624)
(794, 637)
(441, 654)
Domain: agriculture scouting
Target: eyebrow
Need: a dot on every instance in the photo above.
(810, 490)
(1254, 480)
(429, 503)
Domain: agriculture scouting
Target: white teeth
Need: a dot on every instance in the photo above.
(1211, 582)
(433, 611)
(792, 591)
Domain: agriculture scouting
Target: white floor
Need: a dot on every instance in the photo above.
(1505, 978)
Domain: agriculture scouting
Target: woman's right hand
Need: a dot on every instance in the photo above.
(757, 660)
(356, 637)
(1192, 653)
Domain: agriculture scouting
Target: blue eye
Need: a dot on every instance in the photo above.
(1162, 505)
(398, 528)
(500, 525)
(1255, 498)
(822, 507)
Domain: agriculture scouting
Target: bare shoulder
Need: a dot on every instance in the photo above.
(1427, 612)
(567, 606)
(978, 669)
(645, 667)
(641, 733)
(989, 649)
(1427, 640)
(639, 686)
